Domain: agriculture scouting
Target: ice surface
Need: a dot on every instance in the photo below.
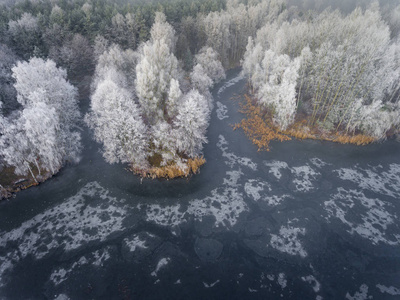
(319, 163)
(287, 241)
(222, 111)
(361, 295)
(231, 158)
(275, 167)
(94, 259)
(206, 285)
(69, 225)
(282, 280)
(253, 188)
(161, 263)
(365, 216)
(229, 83)
(134, 242)
(225, 204)
(165, 215)
(391, 290)
(304, 176)
(313, 282)
(375, 179)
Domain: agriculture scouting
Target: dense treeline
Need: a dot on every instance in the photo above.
(152, 65)
(341, 71)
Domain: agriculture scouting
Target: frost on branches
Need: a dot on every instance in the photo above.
(274, 78)
(343, 72)
(139, 111)
(43, 135)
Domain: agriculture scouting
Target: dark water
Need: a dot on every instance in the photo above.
(307, 220)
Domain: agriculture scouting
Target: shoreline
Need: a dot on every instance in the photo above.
(258, 127)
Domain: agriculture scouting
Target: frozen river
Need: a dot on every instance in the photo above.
(307, 220)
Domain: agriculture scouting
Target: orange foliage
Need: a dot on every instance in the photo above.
(173, 171)
(259, 129)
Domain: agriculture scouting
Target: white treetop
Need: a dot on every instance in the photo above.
(191, 123)
(208, 59)
(44, 132)
(161, 29)
(154, 73)
(116, 120)
(138, 109)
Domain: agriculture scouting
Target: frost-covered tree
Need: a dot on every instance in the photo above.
(45, 132)
(161, 29)
(341, 59)
(202, 83)
(278, 89)
(8, 93)
(25, 34)
(208, 59)
(156, 69)
(139, 110)
(117, 123)
(123, 30)
(123, 62)
(100, 46)
(191, 123)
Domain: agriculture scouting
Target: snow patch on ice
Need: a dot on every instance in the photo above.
(229, 83)
(58, 276)
(99, 257)
(391, 290)
(257, 190)
(361, 295)
(161, 263)
(225, 203)
(275, 167)
(233, 159)
(287, 241)
(313, 282)
(318, 162)
(206, 285)
(376, 180)
(165, 215)
(69, 225)
(134, 243)
(275, 200)
(282, 280)
(62, 297)
(253, 188)
(304, 175)
(221, 111)
(365, 216)
(96, 258)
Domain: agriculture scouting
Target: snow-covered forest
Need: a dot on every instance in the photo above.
(144, 110)
(344, 70)
(151, 66)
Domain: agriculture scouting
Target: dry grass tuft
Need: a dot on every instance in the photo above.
(258, 129)
(173, 170)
